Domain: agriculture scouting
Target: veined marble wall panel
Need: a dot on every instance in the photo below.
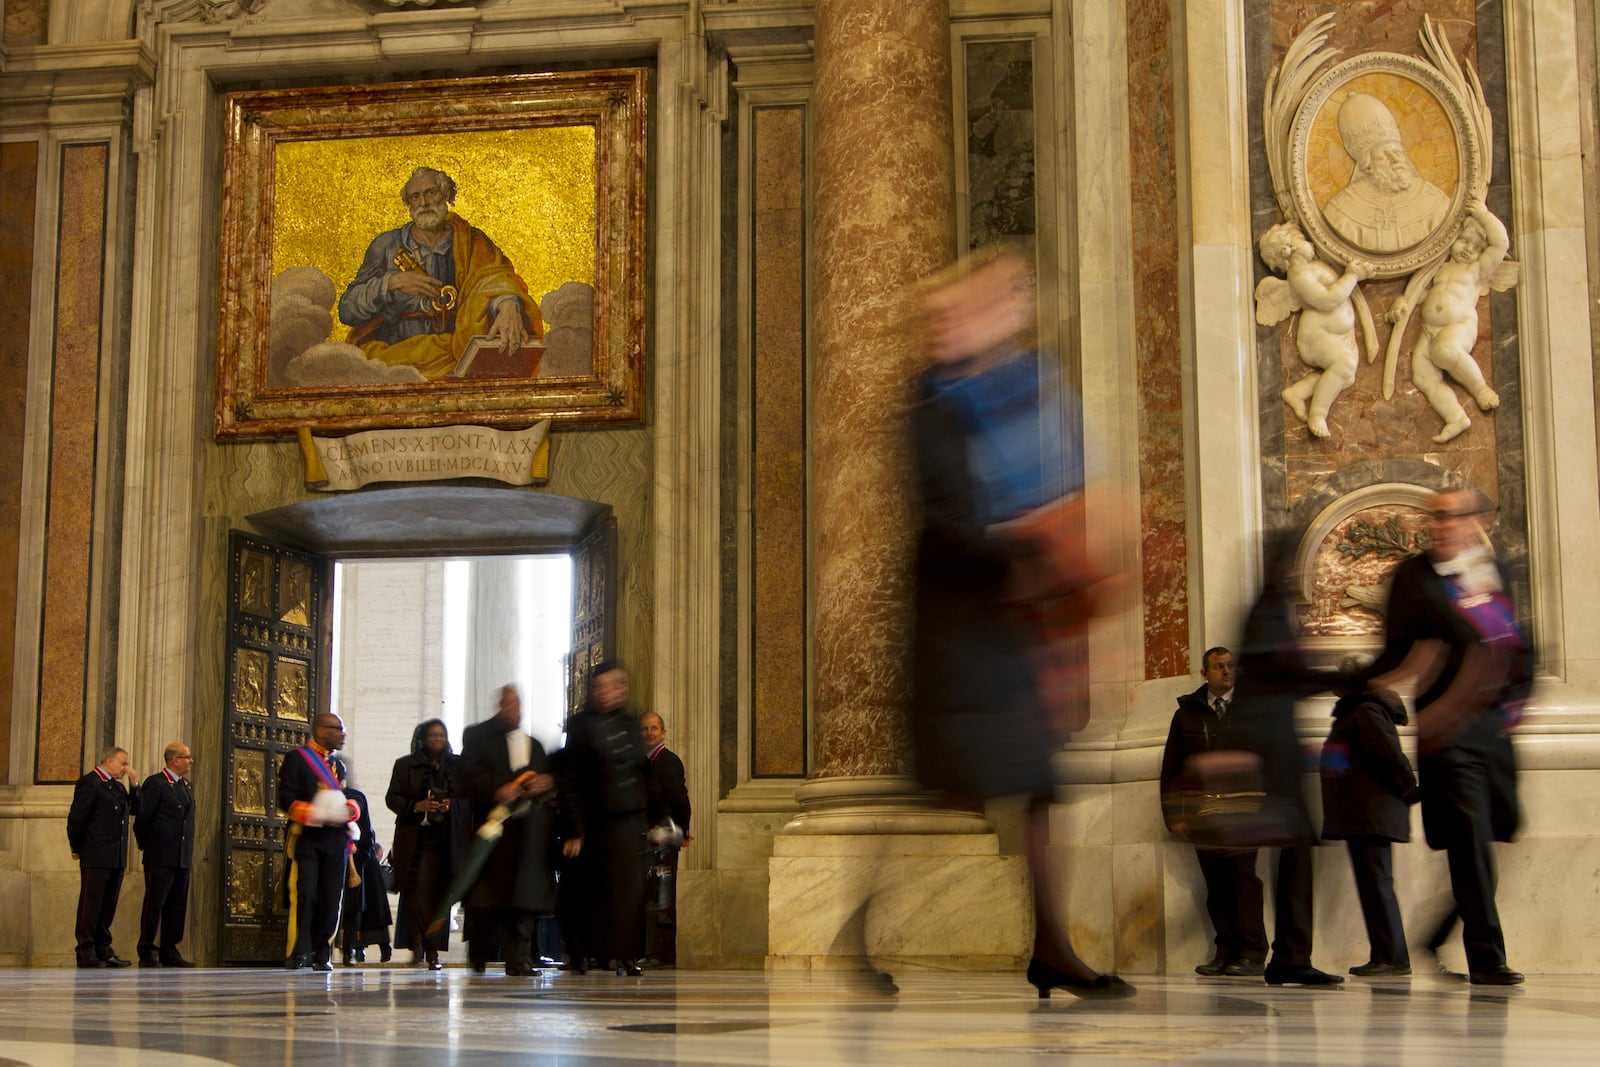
(26, 21)
(19, 170)
(69, 520)
(1163, 501)
(1001, 120)
(778, 352)
(1371, 434)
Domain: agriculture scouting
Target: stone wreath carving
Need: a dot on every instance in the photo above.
(1381, 164)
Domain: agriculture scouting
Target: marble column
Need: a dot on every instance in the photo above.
(884, 210)
(884, 219)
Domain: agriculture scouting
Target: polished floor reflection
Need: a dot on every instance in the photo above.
(398, 1015)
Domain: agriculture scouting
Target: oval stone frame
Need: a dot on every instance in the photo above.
(1469, 154)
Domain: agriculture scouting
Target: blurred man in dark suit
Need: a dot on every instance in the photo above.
(97, 831)
(164, 829)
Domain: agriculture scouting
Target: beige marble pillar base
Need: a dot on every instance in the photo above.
(873, 872)
(877, 804)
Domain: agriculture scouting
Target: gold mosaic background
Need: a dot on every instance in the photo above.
(531, 190)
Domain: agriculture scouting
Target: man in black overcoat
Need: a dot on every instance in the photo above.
(164, 829)
(502, 765)
(670, 789)
(97, 832)
(1233, 889)
(318, 845)
(1451, 622)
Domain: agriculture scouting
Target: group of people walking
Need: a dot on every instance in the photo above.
(513, 832)
(1230, 773)
(1008, 577)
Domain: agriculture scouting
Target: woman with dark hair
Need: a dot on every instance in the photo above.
(605, 784)
(430, 836)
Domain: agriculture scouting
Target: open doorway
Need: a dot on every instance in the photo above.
(281, 636)
(420, 639)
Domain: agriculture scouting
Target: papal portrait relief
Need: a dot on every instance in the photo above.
(1387, 206)
(1380, 167)
(1375, 157)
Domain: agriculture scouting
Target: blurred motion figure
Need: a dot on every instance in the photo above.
(1453, 628)
(1004, 572)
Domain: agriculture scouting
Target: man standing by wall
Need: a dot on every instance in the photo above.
(669, 785)
(97, 831)
(164, 829)
(318, 845)
(1233, 889)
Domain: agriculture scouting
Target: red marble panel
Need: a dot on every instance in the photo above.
(1162, 497)
(19, 169)
(74, 393)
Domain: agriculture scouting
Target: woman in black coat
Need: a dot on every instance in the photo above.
(430, 835)
(1368, 787)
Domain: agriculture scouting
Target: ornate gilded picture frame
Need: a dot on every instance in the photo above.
(431, 252)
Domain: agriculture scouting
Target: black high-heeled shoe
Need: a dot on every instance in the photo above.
(1044, 978)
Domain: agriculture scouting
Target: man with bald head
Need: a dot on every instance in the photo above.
(97, 833)
(164, 829)
(1452, 628)
(318, 844)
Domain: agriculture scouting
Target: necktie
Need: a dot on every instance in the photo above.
(1221, 706)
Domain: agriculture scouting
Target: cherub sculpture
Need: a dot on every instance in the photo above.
(1476, 263)
(1329, 306)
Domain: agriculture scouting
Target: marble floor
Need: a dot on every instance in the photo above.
(398, 1015)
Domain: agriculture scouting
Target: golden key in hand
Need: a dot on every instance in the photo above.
(404, 260)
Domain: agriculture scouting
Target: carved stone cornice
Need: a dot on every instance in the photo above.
(72, 84)
(169, 11)
(758, 26)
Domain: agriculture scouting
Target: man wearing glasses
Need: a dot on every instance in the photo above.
(1453, 628)
(164, 829)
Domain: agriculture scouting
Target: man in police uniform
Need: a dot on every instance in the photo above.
(164, 829)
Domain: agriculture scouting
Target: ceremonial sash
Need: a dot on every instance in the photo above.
(320, 768)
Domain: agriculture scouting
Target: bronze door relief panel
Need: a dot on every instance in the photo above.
(276, 607)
